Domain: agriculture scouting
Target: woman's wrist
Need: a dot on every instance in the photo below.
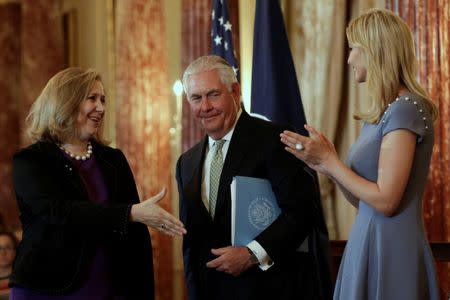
(332, 165)
(134, 213)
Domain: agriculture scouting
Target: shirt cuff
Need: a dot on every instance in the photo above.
(263, 258)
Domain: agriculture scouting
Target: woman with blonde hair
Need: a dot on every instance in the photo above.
(84, 233)
(387, 256)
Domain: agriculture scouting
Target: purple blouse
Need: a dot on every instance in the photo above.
(97, 282)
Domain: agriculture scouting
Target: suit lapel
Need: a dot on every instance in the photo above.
(237, 151)
(193, 186)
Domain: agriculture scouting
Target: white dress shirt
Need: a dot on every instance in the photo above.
(264, 260)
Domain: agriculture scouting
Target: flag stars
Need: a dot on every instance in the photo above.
(221, 33)
(218, 40)
(227, 26)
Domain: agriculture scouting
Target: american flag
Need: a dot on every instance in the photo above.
(221, 34)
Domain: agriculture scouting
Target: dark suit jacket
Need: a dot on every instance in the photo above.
(61, 226)
(255, 150)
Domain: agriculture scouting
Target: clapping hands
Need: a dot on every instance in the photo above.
(316, 150)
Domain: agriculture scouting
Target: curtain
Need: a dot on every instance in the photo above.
(195, 42)
(9, 117)
(310, 25)
(330, 95)
(32, 52)
(143, 113)
(42, 49)
(430, 22)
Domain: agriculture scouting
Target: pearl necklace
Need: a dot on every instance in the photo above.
(85, 156)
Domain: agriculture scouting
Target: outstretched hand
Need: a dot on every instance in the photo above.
(151, 214)
(316, 150)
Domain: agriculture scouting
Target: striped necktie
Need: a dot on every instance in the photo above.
(214, 177)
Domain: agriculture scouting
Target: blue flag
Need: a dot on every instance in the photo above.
(275, 91)
(276, 95)
(221, 34)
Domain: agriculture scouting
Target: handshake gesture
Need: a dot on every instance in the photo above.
(151, 214)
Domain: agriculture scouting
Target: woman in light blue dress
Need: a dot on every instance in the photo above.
(387, 255)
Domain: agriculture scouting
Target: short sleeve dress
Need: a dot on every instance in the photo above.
(389, 258)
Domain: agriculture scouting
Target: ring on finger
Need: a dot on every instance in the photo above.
(299, 146)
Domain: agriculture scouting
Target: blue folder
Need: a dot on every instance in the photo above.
(253, 208)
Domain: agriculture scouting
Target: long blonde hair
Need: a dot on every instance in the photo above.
(53, 115)
(388, 47)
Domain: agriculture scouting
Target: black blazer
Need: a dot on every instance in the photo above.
(61, 226)
(255, 150)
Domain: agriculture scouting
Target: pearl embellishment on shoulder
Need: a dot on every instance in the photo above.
(415, 103)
